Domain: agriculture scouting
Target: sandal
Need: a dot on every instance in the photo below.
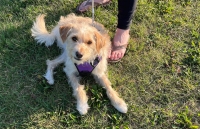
(88, 5)
(115, 48)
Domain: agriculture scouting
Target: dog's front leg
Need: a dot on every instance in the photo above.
(116, 101)
(51, 65)
(80, 94)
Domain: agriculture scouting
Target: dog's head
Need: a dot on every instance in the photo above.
(84, 42)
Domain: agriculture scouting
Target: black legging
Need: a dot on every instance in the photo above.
(126, 10)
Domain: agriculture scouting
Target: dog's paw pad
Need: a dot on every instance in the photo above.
(83, 108)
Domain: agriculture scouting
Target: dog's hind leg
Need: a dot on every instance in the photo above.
(116, 101)
(51, 65)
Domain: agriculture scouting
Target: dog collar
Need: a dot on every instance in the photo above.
(87, 67)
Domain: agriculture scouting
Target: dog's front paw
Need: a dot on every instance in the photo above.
(120, 105)
(49, 78)
(83, 108)
(51, 82)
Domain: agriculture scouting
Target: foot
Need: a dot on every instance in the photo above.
(120, 105)
(120, 39)
(86, 5)
(49, 73)
(82, 108)
(116, 101)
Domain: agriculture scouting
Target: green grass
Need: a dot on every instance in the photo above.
(159, 78)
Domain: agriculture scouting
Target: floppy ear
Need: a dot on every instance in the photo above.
(100, 41)
(64, 32)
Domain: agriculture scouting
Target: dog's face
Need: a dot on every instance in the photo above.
(83, 42)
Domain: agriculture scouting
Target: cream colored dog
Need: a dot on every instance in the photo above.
(82, 42)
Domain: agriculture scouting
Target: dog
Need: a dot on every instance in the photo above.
(84, 44)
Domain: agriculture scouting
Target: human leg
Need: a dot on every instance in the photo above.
(126, 10)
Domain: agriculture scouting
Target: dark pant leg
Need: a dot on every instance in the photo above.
(126, 10)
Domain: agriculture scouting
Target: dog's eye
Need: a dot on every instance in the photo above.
(75, 39)
(89, 42)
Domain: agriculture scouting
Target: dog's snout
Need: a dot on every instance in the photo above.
(79, 55)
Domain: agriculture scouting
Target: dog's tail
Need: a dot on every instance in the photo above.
(40, 33)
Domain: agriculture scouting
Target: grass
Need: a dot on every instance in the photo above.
(159, 77)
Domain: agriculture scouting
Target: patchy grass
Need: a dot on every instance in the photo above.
(159, 77)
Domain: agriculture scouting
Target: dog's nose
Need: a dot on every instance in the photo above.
(79, 55)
